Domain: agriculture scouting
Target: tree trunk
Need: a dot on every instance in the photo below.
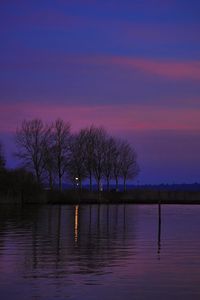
(37, 176)
(80, 184)
(60, 183)
(90, 182)
(98, 185)
(124, 184)
(117, 185)
(159, 227)
(50, 181)
(108, 184)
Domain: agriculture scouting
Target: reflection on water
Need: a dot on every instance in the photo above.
(100, 252)
(76, 224)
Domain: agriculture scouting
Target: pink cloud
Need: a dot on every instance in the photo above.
(172, 69)
(158, 35)
(166, 68)
(116, 118)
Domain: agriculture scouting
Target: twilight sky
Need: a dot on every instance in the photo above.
(132, 66)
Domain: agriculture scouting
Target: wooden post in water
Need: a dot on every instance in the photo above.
(159, 226)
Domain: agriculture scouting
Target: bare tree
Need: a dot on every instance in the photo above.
(117, 162)
(129, 165)
(49, 158)
(51, 151)
(99, 151)
(125, 162)
(77, 162)
(89, 143)
(108, 162)
(30, 140)
(61, 148)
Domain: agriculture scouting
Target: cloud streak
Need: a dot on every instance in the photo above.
(171, 69)
(115, 118)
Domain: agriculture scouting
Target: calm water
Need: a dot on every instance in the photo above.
(100, 252)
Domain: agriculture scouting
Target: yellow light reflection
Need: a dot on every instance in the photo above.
(76, 224)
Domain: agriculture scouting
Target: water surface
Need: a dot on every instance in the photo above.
(100, 252)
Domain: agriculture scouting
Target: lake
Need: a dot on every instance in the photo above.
(100, 252)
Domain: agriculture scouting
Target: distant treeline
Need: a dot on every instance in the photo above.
(194, 187)
(55, 156)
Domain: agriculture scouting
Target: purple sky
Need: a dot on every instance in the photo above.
(132, 66)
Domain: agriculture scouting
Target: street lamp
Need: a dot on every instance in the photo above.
(77, 181)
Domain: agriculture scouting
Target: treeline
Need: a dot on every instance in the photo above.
(56, 156)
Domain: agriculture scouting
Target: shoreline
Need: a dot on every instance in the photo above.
(86, 197)
(129, 197)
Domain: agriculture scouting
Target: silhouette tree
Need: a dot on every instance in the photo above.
(108, 161)
(117, 162)
(22, 183)
(124, 163)
(61, 148)
(49, 158)
(31, 139)
(89, 134)
(99, 154)
(129, 165)
(77, 161)
(50, 151)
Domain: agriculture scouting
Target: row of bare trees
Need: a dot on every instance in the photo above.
(53, 153)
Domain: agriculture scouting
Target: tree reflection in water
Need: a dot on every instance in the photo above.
(71, 239)
(52, 250)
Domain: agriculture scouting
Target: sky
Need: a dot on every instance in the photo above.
(132, 66)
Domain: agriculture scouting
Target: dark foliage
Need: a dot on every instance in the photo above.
(18, 183)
